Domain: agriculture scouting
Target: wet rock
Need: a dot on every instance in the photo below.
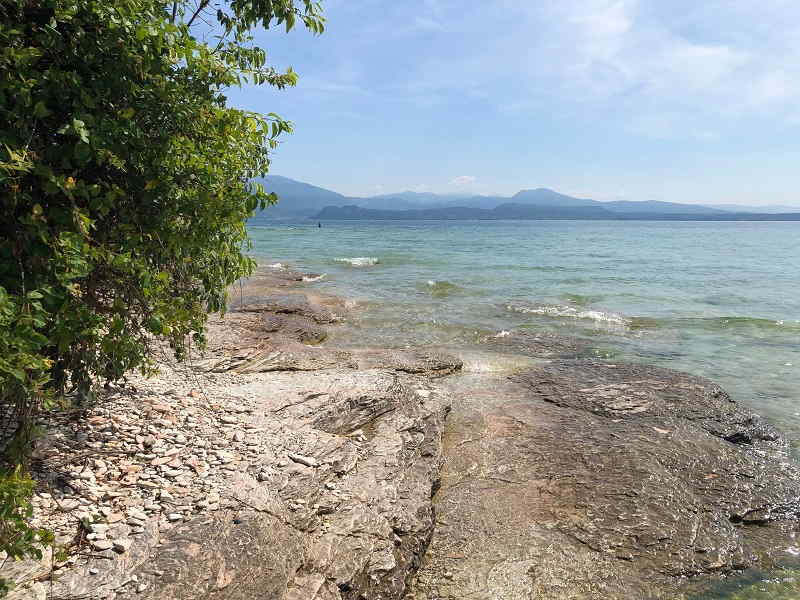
(644, 392)
(588, 480)
(300, 329)
(537, 344)
(409, 361)
(292, 304)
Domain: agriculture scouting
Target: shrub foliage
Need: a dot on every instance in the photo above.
(125, 182)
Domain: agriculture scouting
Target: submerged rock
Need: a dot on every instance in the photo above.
(582, 480)
(537, 344)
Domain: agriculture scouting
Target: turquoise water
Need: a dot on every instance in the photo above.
(715, 299)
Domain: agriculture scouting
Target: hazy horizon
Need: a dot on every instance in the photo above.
(490, 195)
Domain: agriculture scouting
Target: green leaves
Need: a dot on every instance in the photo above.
(125, 181)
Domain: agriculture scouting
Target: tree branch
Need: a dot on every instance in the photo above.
(200, 8)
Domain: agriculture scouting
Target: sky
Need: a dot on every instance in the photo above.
(676, 100)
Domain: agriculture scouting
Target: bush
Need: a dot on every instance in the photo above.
(126, 183)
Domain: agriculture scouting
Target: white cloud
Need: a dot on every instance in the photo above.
(463, 180)
(722, 60)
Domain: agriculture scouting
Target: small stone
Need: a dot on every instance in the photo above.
(68, 505)
(101, 545)
(303, 460)
(93, 571)
(174, 517)
(122, 545)
(141, 588)
(229, 419)
(136, 513)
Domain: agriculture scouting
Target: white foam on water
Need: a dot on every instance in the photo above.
(560, 311)
(309, 279)
(359, 261)
(503, 334)
(276, 266)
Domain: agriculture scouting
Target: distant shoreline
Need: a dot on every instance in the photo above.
(530, 213)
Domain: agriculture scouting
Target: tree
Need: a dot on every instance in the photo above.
(125, 182)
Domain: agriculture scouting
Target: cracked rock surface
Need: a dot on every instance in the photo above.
(581, 479)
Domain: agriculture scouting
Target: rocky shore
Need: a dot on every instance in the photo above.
(277, 465)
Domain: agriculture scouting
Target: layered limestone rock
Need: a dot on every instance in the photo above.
(336, 503)
(581, 479)
(349, 517)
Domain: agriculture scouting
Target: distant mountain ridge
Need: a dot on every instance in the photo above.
(303, 200)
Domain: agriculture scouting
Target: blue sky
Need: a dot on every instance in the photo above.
(673, 100)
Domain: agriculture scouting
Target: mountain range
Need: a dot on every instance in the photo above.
(303, 200)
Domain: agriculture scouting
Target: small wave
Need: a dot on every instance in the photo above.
(359, 261)
(277, 266)
(579, 299)
(441, 288)
(502, 334)
(644, 323)
(310, 278)
(719, 323)
(570, 312)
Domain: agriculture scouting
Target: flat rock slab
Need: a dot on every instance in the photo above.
(301, 329)
(294, 304)
(408, 361)
(287, 355)
(347, 517)
(582, 480)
